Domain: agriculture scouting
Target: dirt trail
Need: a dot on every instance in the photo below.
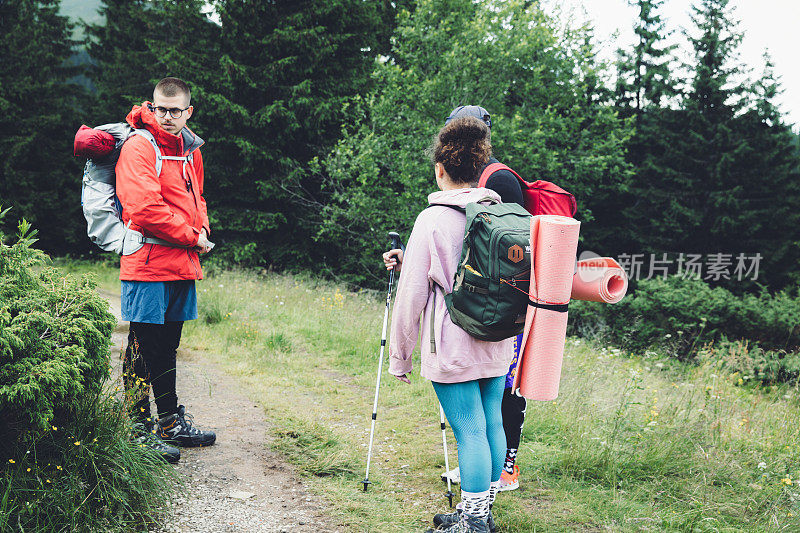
(238, 484)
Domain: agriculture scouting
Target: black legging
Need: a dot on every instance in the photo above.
(513, 408)
(150, 355)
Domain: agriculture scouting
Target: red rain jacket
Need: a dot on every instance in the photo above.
(170, 206)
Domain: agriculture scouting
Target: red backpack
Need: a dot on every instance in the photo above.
(541, 197)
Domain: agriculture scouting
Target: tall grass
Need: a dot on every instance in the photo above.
(86, 476)
(635, 442)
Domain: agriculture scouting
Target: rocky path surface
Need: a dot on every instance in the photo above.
(238, 484)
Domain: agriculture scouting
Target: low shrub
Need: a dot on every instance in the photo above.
(54, 341)
(67, 460)
(680, 315)
(750, 363)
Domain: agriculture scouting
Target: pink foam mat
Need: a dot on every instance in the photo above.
(599, 279)
(554, 241)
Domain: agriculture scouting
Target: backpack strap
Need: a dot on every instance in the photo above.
(161, 158)
(464, 209)
(433, 320)
(457, 208)
(491, 169)
(149, 136)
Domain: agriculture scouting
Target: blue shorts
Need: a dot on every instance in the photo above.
(156, 302)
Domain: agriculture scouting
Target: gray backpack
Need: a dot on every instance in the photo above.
(102, 209)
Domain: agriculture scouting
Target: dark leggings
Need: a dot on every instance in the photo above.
(513, 408)
(150, 361)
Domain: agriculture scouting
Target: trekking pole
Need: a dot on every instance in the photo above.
(394, 244)
(449, 493)
(446, 458)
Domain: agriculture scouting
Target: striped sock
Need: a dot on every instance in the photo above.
(511, 458)
(476, 503)
(493, 486)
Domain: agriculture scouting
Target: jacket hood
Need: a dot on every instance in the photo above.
(462, 197)
(185, 143)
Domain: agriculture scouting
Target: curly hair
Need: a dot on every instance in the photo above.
(463, 147)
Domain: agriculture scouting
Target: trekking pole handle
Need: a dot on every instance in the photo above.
(395, 240)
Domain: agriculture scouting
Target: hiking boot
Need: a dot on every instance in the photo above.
(178, 429)
(443, 520)
(465, 524)
(147, 438)
(454, 475)
(509, 481)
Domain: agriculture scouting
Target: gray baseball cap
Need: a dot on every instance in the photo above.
(470, 111)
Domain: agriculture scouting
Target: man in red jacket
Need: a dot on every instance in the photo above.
(158, 292)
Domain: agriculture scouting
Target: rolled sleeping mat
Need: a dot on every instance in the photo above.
(599, 279)
(554, 241)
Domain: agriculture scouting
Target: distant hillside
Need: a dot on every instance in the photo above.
(78, 10)
(81, 9)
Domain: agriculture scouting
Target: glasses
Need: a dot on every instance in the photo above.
(174, 112)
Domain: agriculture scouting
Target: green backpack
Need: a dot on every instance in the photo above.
(490, 290)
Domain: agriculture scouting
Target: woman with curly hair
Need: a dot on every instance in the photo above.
(468, 374)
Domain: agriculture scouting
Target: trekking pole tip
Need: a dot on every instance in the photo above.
(367, 483)
(450, 498)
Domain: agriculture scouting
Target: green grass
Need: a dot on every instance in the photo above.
(633, 443)
(87, 475)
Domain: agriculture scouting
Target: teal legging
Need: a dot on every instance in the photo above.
(473, 410)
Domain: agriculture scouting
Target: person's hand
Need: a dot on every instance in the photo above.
(393, 259)
(203, 244)
(404, 378)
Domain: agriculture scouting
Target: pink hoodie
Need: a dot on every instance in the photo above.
(429, 265)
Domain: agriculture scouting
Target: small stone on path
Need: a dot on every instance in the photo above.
(240, 495)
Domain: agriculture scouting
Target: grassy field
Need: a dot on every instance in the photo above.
(635, 442)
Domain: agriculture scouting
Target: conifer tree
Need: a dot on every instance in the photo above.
(190, 51)
(288, 70)
(39, 113)
(718, 177)
(768, 220)
(644, 88)
(125, 66)
(645, 76)
(678, 207)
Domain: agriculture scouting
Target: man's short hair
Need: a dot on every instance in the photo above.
(173, 87)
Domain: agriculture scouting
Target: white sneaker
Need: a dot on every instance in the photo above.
(454, 475)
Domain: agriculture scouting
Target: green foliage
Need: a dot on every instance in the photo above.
(753, 364)
(716, 173)
(274, 101)
(644, 73)
(541, 86)
(85, 475)
(39, 112)
(67, 460)
(683, 315)
(139, 42)
(54, 348)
